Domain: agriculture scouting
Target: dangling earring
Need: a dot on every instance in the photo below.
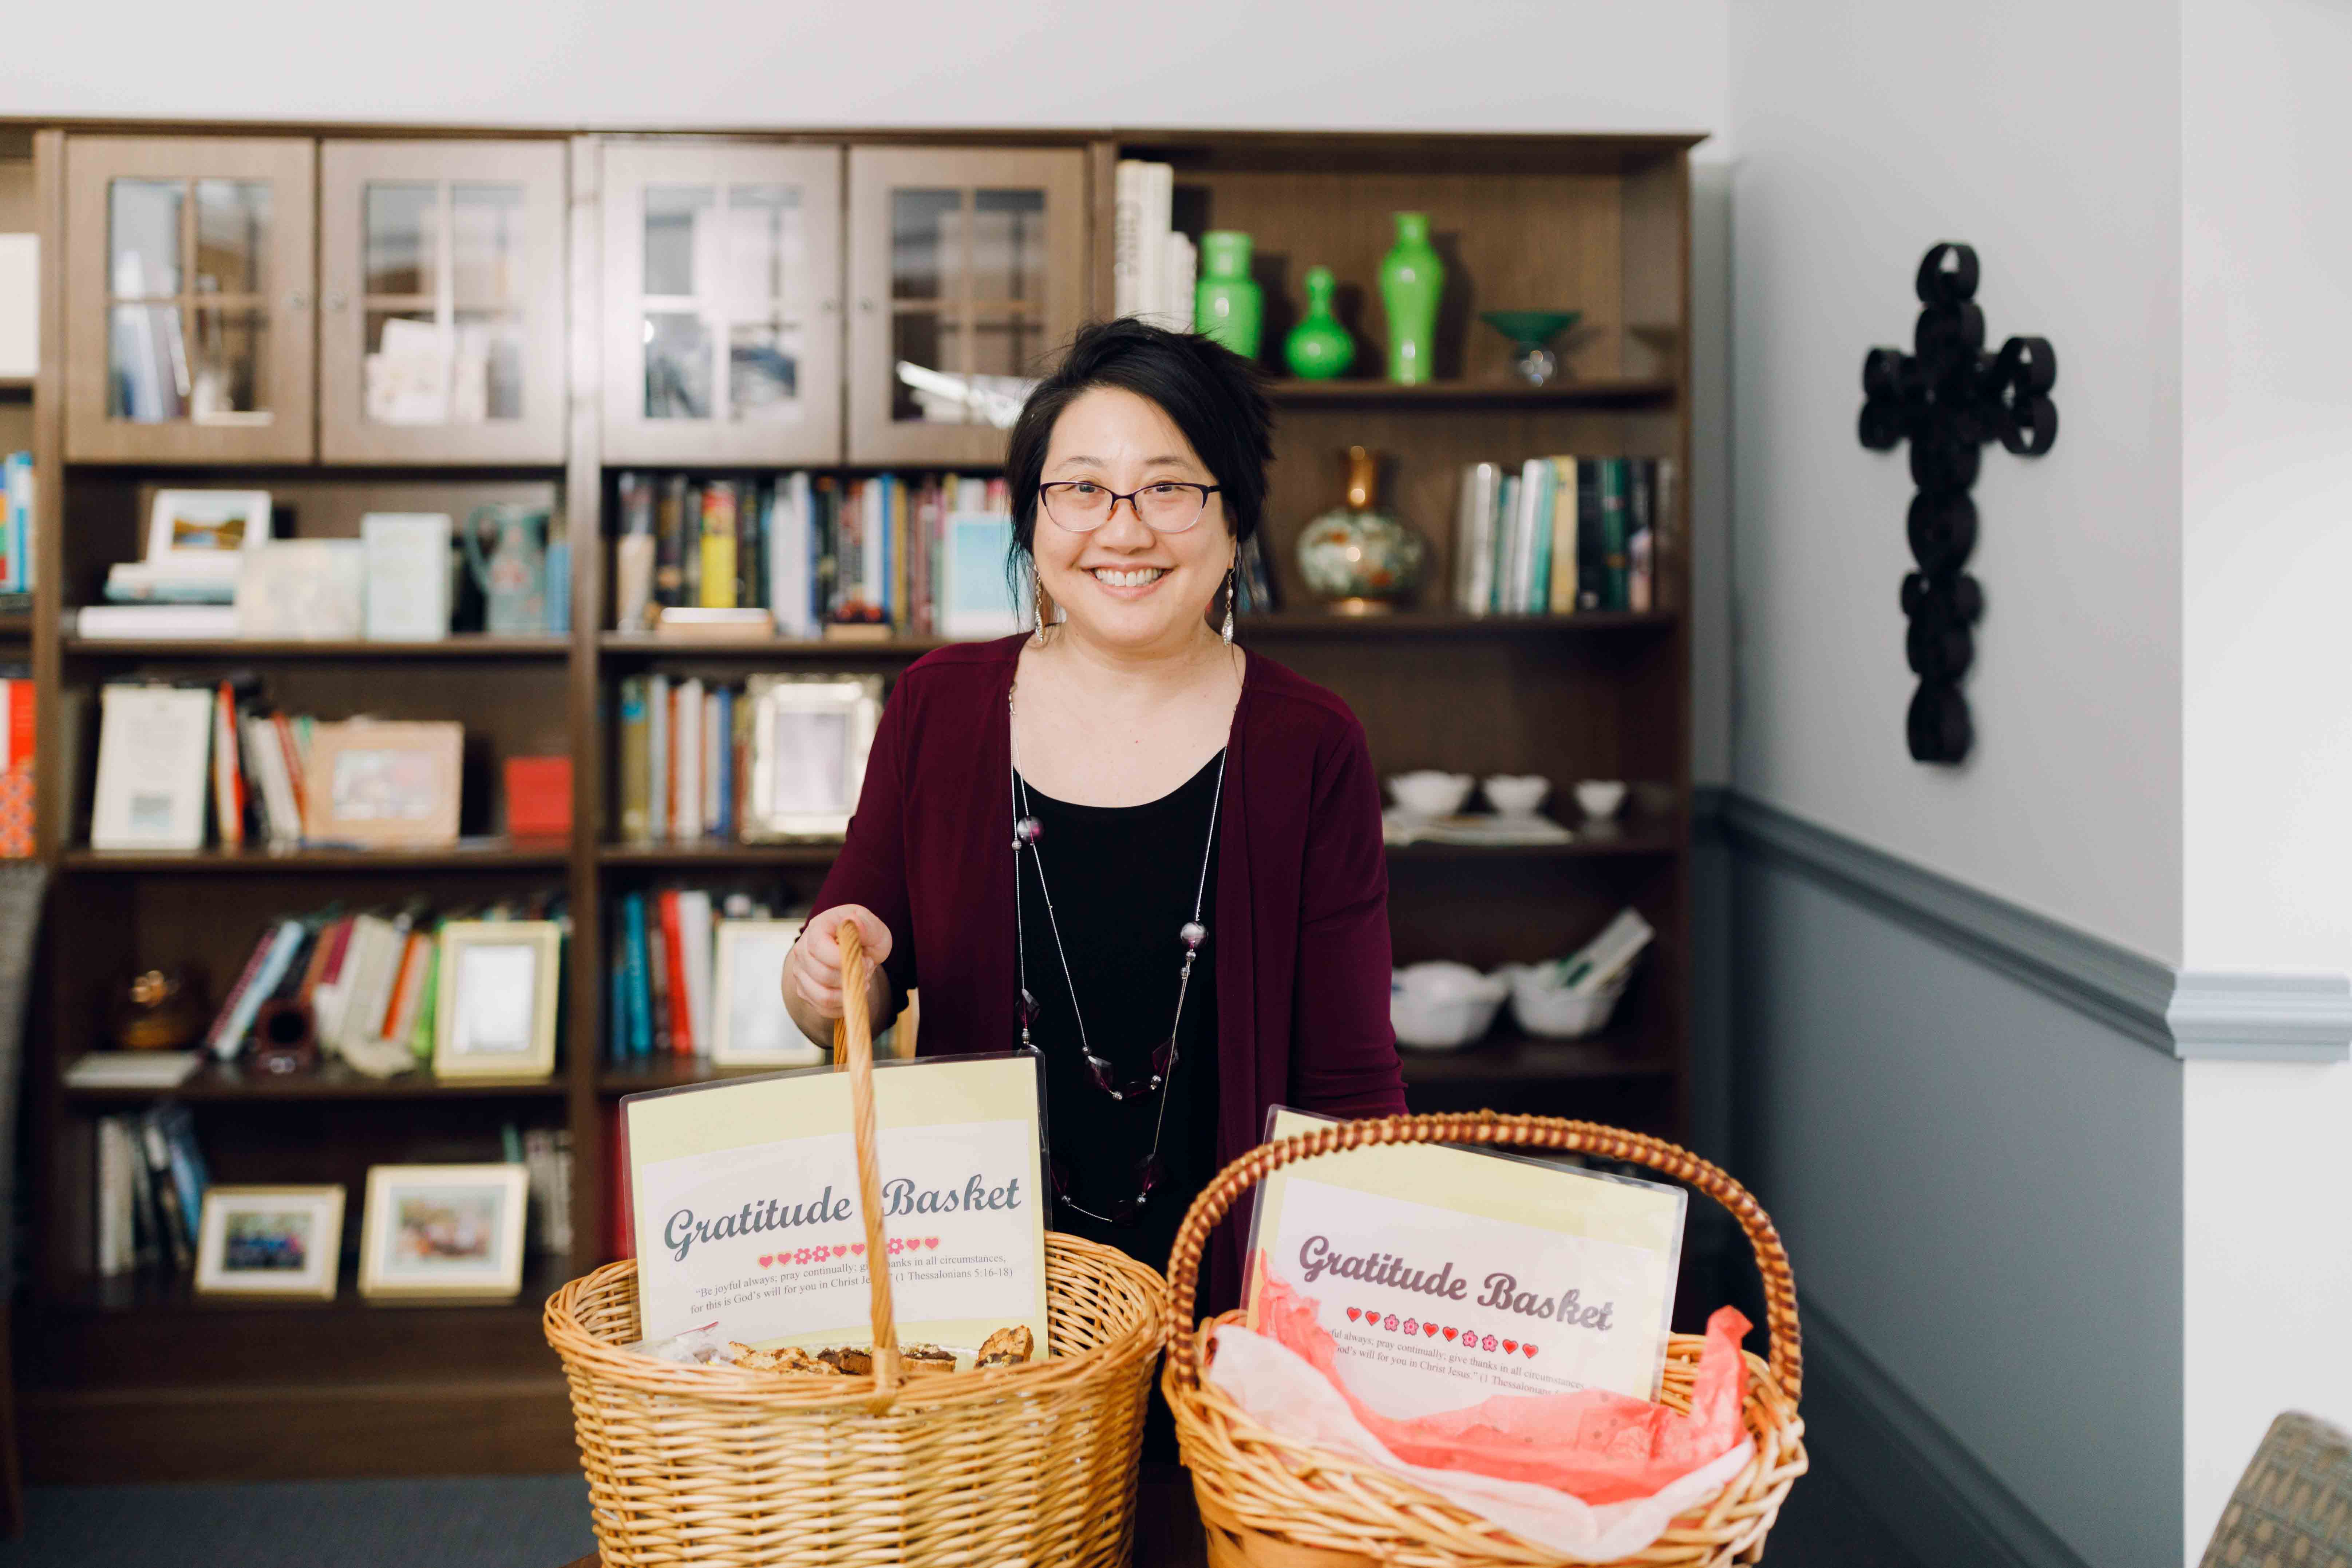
(1037, 604)
(1229, 603)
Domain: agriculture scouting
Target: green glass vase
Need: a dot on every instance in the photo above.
(1411, 279)
(1319, 348)
(1227, 304)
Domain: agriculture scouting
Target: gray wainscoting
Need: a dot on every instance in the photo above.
(1975, 1159)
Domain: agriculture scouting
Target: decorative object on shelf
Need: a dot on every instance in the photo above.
(1516, 795)
(1570, 997)
(1426, 792)
(809, 735)
(752, 1029)
(161, 1009)
(512, 577)
(152, 744)
(495, 999)
(303, 590)
(539, 797)
(284, 1040)
(205, 533)
(1947, 399)
(1227, 305)
(408, 570)
(443, 1232)
(1364, 560)
(382, 784)
(270, 1241)
(1443, 1006)
(1600, 799)
(1531, 333)
(1320, 347)
(1413, 279)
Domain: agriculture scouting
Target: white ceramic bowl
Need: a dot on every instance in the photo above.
(1549, 1010)
(1442, 1006)
(1599, 798)
(1428, 793)
(1517, 795)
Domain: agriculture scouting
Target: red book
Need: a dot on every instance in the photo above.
(236, 991)
(681, 1026)
(620, 1226)
(293, 765)
(539, 797)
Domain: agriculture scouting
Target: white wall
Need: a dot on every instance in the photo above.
(1538, 64)
(2267, 550)
(1863, 133)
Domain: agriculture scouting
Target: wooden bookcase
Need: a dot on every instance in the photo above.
(133, 1379)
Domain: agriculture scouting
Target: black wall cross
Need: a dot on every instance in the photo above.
(1948, 397)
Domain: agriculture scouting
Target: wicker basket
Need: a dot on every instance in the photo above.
(1269, 1501)
(718, 1466)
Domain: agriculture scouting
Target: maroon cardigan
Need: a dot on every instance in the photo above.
(1301, 925)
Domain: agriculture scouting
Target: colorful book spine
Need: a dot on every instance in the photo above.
(1541, 478)
(681, 1007)
(1615, 556)
(17, 474)
(1589, 558)
(719, 545)
(1641, 537)
(640, 997)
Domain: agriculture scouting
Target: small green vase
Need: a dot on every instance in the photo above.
(1411, 279)
(1227, 305)
(1319, 348)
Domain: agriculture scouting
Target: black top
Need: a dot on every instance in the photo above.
(1124, 880)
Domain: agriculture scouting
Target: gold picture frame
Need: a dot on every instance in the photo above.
(443, 1233)
(495, 999)
(270, 1241)
(383, 784)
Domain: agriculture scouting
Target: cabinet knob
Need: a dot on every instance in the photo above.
(297, 300)
(828, 307)
(867, 306)
(337, 301)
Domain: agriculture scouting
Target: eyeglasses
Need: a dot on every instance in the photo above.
(1081, 506)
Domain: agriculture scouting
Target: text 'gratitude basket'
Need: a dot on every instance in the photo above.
(1270, 1501)
(718, 1465)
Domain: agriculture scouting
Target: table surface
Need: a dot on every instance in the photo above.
(1166, 1525)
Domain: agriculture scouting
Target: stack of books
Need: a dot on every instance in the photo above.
(1560, 535)
(1154, 268)
(151, 1192)
(882, 555)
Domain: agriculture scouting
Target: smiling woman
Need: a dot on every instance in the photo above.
(1192, 923)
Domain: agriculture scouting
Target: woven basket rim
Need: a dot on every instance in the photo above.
(1138, 1282)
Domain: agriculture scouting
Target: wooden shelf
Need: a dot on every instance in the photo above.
(645, 644)
(15, 624)
(1644, 835)
(161, 1293)
(1318, 623)
(217, 1082)
(1612, 393)
(465, 646)
(683, 854)
(15, 388)
(670, 1072)
(553, 854)
(1509, 1057)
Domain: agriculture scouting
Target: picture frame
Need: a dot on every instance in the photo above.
(978, 601)
(495, 999)
(270, 1241)
(810, 738)
(383, 784)
(206, 531)
(751, 1027)
(303, 590)
(443, 1233)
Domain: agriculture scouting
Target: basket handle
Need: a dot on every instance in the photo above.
(1218, 1198)
(853, 1039)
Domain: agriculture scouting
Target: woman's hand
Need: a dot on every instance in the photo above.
(811, 978)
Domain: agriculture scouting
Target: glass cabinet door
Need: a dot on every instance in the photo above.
(969, 267)
(722, 303)
(441, 279)
(188, 286)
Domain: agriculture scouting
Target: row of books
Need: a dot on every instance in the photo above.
(1560, 535)
(16, 524)
(664, 952)
(916, 557)
(15, 762)
(151, 1191)
(688, 753)
(1154, 267)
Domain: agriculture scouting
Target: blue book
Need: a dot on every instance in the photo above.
(723, 752)
(616, 1007)
(641, 1002)
(188, 1172)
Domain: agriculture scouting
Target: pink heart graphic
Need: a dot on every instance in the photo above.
(766, 1259)
(1429, 1329)
(1450, 1333)
(841, 1252)
(1511, 1345)
(933, 1242)
(1531, 1350)
(1354, 1313)
(858, 1247)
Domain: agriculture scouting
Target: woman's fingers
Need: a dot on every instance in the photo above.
(814, 972)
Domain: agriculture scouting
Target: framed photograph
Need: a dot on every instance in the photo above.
(303, 590)
(494, 999)
(206, 531)
(978, 601)
(383, 784)
(443, 1233)
(809, 736)
(269, 1241)
(752, 1029)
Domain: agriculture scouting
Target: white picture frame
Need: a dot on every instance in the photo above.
(154, 748)
(409, 566)
(494, 999)
(202, 532)
(978, 601)
(443, 1233)
(303, 590)
(810, 738)
(270, 1241)
(751, 1026)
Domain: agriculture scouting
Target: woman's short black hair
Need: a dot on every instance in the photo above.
(1214, 395)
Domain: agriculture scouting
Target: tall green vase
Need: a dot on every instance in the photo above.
(1411, 279)
(1319, 348)
(1227, 305)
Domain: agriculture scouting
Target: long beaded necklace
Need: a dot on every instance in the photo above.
(1027, 831)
